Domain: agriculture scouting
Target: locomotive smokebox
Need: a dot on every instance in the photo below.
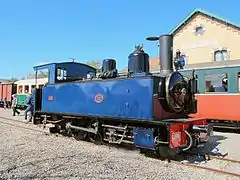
(166, 54)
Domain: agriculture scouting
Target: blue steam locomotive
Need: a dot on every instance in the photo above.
(139, 108)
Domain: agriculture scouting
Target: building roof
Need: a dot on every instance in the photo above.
(200, 11)
(154, 64)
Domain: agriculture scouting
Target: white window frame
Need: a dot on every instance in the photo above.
(221, 50)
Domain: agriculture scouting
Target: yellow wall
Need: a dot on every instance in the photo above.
(199, 49)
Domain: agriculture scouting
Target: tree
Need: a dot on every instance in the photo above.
(95, 64)
(40, 74)
(13, 79)
(30, 76)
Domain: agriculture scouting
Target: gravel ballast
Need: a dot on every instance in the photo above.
(35, 155)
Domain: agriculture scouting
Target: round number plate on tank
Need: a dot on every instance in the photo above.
(98, 98)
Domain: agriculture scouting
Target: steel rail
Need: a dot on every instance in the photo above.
(224, 159)
(207, 168)
(27, 128)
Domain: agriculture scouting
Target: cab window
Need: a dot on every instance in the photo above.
(61, 74)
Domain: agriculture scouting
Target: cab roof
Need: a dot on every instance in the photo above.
(46, 66)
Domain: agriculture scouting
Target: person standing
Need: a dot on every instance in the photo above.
(14, 105)
(5, 103)
(29, 103)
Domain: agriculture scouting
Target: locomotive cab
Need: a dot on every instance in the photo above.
(65, 71)
(60, 73)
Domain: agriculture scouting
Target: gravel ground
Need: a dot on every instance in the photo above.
(27, 154)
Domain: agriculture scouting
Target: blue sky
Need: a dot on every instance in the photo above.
(33, 32)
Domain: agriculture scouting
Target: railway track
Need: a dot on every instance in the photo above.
(209, 158)
(208, 168)
(230, 126)
(22, 127)
(187, 164)
(224, 159)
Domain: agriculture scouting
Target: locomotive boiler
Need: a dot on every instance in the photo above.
(139, 108)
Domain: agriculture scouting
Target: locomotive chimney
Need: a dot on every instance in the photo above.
(166, 54)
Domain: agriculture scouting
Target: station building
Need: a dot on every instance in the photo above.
(205, 40)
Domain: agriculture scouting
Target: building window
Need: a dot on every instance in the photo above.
(199, 30)
(216, 83)
(221, 55)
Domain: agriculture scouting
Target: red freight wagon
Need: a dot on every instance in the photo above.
(6, 91)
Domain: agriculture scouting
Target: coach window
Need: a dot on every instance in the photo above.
(19, 89)
(61, 74)
(26, 88)
(238, 78)
(216, 83)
